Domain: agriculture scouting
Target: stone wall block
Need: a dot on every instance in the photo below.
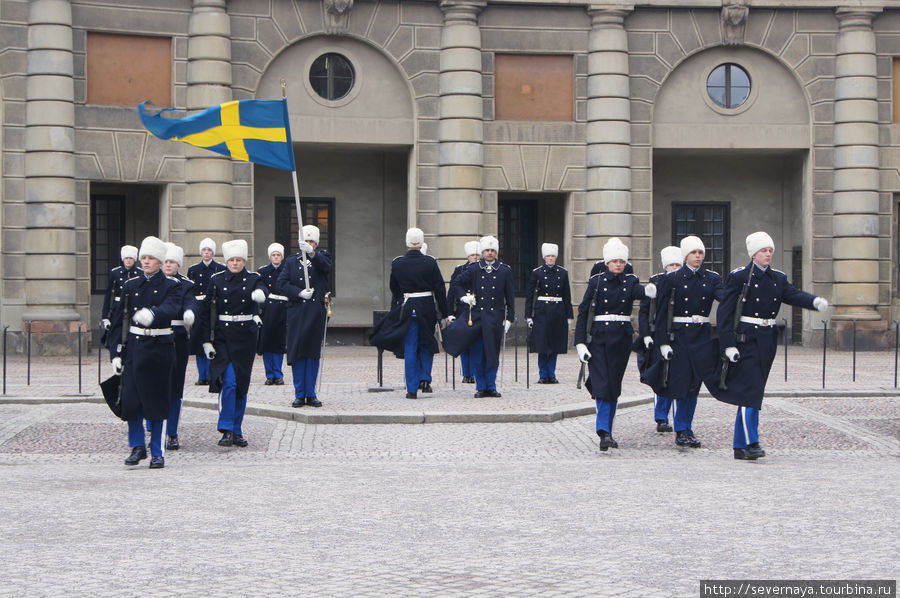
(269, 36)
(50, 87)
(641, 42)
(209, 219)
(459, 153)
(459, 177)
(428, 37)
(815, 67)
(209, 72)
(856, 42)
(460, 36)
(609, 131)
(421, 61)
(709, 24)
(856, 179)
(288, 22)
(49, 241)
(822, 44)
(209, 194)
(855, 202)
(849, 65)
(855, 294)
(612, 40)
(757, 24)
(855, 110)
(817, 20)
(609, 225)
(50, 62)
(608, 178)
(49, 164)
(459, 200)
(49, 113)
(684, 31)
(608, 154)
(780, 32)
(49, 215)
(458, 223)
(48, 292)
(648, 19)
(608, 63)
(609, 109)
(820, 90)
(207, 170)
(49, 139)
(797, 50)
(644, 89)
(856, 225)
(618, 201)
(609, 86)
(856, 156)
(214, 23)
(668, 50)
(210, 48)
(460, 82)
(852, 88)
(402, 42)
(460, 59)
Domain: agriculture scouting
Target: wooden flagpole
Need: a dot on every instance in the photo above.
(303, 257)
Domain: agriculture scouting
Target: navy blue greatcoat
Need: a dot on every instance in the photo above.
(412, 272)
(305, 317)
(610, 343)
(200, 274)
(188, 302)
(694, 351)
(148, 360)
(274, 313)
(600, 267)
(117, 278)
(646, 323)
(767, 290)
(550, 333)
(495, 302)
(457, 307)
(234, 342)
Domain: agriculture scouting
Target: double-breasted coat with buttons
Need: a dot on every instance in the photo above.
(148, 360)
(495, 297)
(234, 341)
(454, 294)
(550, 332)
(610, 342)
(182, 337)
(412, 272)
(273, 334)
(766, 291)
(117, 278)
(305, 317)
(694, 351)
(201, 274)
(646, 323)
(600, 267)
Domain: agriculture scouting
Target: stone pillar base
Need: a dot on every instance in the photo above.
(871, 335)
(51, 338)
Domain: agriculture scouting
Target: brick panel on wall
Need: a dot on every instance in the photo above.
(125, 70)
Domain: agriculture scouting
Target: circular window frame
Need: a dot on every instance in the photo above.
(357, 77)
(751, 98)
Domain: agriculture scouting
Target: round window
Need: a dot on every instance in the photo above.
(728, 85)
(331, 76)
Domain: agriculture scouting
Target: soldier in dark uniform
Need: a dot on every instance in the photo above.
(148, 356)
(548, 305)
(750, 344)
(599, 266)
(671, 261)
(493, 311)
(236, 294)
(200, 274)
(117, 277)
(461, 309)
(610, 298)
(306, 314)
(693, 354)
(272, 335)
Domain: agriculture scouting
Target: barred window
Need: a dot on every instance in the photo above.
(517, 227)
(107, 238)
(709, 221)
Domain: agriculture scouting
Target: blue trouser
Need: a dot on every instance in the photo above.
(683, 414)
(136, 434)
(606, 413)
(417, 360)
(202, 367)
(272, 362)
(174, 416)
(485, 377)
(547, 365)
(231, 406)
(466, 362)
(746, 427)
(661, 408)
(305, 372)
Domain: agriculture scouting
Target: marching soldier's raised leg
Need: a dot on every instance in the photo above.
(548, 309)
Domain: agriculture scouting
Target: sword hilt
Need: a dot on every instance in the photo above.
(328, 303)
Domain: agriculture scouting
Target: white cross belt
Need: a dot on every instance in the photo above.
(759, 321)
(691, 319)
(149, 331)
(612, 318)
(235, 318)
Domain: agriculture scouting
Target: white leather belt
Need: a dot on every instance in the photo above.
(548, 298)
(759, 321)
(407, 296)
(149, 331)
(277, 297)
(691, 319)
(200, 297)
(177, 322)
(612, 318)
(235, 318)
(117, 299)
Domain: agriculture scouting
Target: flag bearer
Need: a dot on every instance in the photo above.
(200, 274)
(548, 309)
(272, 336)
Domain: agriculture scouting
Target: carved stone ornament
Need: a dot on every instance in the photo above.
(337, 15)
(734, 20)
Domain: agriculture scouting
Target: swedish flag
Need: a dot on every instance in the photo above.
(253, 130)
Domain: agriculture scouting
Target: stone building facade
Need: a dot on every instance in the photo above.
(559, 121)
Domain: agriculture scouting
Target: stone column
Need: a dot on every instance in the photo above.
(461, 132)
(208, 176)
(50, 285)
(855, 171)
(607, 202)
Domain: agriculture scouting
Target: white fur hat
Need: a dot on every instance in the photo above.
(472, 248)
(128, 251)
(236, 248)
(207, 243)
(414, 238)
(549, 249)
(154, 248)
(311, 233)
(758, 240)
(691, 243)
(174, 253)
(424, 248)
(489, 242)
(670, 255)
(275, 247)
(615, 250)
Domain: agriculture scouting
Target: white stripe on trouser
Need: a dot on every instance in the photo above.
(165, 434)
(674, 411)
(744, 425)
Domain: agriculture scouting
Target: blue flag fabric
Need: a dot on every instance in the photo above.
(256, 131)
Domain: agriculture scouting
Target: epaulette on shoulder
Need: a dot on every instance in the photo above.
(631, 274)
(396, 258)
(563, 269)
(779, 271)
(713, 272)
(737, 269)
(254, 273)
(536, 269)
(217, 273)
(596, 275)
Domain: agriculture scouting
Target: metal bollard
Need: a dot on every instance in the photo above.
(6, 328)
(854, 350)
(28, 379)
(785, 347)
(79, 357)
(824, 348)
(380, 378)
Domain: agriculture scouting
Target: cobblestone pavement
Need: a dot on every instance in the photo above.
(513, 509)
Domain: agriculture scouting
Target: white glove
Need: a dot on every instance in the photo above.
(143, 316)
(583, 353)
(506, 325)
(258, 296)
(820, 303)
(650, 290)
(117, 365)
(188, 317)
(450, 319)
(666, 352)
(307, 293)
(258, 320)
(208, 349)
(732, 354)
(569, 322)
(105, 324)
(306, 247)
(648, 342)
(468, 299)
(530, 322)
